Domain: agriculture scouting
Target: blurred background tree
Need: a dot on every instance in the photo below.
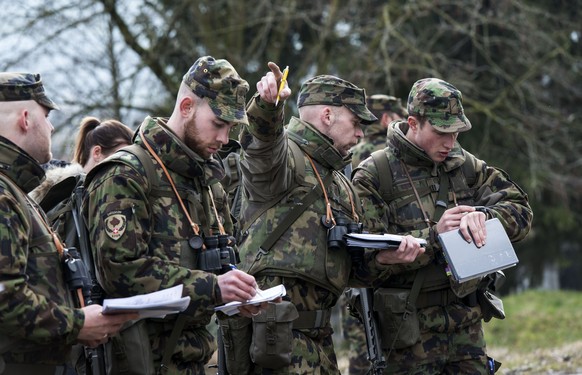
(518, 64)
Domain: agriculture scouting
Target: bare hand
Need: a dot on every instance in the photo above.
(407, 252)
(470, 222)
(98, 327)
(252, 310)
(237, 285)
(268, 86)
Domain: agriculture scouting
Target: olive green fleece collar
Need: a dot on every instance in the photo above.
(316, 145)
(19, 166)
(176, 155)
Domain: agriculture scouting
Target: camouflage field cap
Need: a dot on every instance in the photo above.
(16, 87)
(441, 103)
(220, 84)
(380, 103)
(331, 90)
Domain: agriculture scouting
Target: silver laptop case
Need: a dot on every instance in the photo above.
(467, 261)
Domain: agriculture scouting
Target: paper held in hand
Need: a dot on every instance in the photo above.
(152, 305)
(270, 294)
(377, 241)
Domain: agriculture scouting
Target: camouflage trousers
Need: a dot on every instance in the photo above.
(451, 342)
(309, 356)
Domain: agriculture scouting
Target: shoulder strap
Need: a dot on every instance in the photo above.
(295, 212)
(146, 161)
(300, 172)
(299, 160)
(384, 174)
(468, 169)
(22, 202)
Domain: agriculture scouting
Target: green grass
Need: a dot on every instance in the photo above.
(537, 319)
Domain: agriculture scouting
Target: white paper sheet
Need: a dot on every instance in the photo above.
(270, 294)
(152, 305)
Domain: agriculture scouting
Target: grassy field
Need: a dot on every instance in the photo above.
(542, 333)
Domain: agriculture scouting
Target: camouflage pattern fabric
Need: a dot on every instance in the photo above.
(24, 86)
(380, 103)
(451, 342)
(375, 134)
(37, 322)
(331, 90)
(218, 82)
(313, 275)
(140, 239)
(441, 103)
(492, 188)
(374, 139)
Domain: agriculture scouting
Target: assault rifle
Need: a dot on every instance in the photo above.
(361, 299)
(95, 357)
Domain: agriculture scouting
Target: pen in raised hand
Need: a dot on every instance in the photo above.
(282, 84)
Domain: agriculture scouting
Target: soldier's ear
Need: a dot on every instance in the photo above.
(412, 123)
(187, 106)
(326, 116)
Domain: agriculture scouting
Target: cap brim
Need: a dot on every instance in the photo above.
(363, 113)
(45, 101)
(229, 113)
(454, 124)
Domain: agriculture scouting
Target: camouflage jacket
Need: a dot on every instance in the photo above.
(490, 187)
(274, 177)
(375, 139)
(37, 321)
(140, 236)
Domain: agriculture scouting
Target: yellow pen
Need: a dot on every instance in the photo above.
(282, 84)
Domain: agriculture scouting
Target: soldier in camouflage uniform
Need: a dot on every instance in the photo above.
(449, 182)
(281, 166)
(148, 235)
(386, 108)
(38, 323)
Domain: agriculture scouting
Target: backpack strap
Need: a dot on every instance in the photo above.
(14, 189)
(145, 160)
(300, 176)
(384, 174)
(295, 212)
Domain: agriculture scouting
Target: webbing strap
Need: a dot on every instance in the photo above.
(443, 196)
(171, 344)
(415, 290)
(300, 174)
(312, 319)
(295, 212)
(384, 174)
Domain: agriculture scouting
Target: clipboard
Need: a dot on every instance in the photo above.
(467, 261)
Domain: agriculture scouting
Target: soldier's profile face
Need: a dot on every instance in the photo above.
(435, 144)
(345, 129)
(205, 133)
(40, 127)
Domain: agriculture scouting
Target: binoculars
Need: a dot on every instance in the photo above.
(76, 274)
(335, 234)
(219, 256)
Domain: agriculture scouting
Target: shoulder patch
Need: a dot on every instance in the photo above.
(115, 225)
